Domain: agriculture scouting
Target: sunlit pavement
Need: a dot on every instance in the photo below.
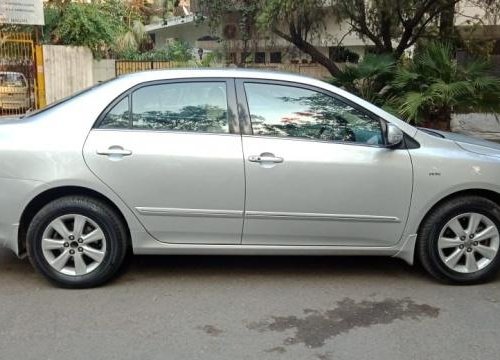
(249, 308)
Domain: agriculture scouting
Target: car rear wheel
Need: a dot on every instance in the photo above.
(459, 241)
(77, 242)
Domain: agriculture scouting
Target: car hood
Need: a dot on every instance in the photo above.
(469, 143)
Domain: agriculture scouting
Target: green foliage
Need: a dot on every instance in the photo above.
(369, 78)
(213, 58)
(94, 25)
(392, 26)
(52, 17)
(306, 16)
(433, 85)
(217, 9)
(135, 39)
(342, 54)
(425, 89)
(178, 51)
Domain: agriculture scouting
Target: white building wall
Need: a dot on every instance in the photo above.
(189, 32)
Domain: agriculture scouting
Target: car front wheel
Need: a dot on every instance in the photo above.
(459, 241)
(77, 242)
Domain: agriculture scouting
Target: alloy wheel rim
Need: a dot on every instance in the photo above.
(73, 245)
(468, 243)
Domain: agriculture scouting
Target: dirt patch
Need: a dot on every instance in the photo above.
(210, 330)
(325, 356)
(316, 326)
(277, 349)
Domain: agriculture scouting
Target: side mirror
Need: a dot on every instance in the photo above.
(394, 135)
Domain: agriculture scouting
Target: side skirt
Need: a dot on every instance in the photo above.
(148, 246)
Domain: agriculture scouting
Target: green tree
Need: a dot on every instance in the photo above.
(178, 51)
(95, 25)
(247, 10)
(392, 26)
(369, 79)
(429, 88)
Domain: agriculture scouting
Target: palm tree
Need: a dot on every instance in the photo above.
(369, 79)
(429, 88)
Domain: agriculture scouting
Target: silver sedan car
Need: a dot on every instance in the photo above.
(240, 162)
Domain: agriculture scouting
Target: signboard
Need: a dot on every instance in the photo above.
(25, 12)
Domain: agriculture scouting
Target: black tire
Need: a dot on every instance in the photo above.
(105, 217)
(427, 248)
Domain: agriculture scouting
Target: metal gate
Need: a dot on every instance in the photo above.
(19, 91)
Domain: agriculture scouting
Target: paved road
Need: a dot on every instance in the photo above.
(249, 308)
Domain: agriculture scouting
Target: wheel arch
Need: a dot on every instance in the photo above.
(45, 197)
(487, 194)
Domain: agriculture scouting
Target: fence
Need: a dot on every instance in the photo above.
(130, 66)
(68, 69)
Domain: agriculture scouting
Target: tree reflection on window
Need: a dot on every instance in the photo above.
(117, 117)
(198, 107)
(285, 111)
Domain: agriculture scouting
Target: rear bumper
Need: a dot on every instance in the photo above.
(14, 196)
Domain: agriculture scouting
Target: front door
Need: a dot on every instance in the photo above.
(172, 152)
(318, 173)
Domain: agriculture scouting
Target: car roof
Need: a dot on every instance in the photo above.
(219, 73)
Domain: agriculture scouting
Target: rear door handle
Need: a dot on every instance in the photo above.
(265, 159)
(114, 151)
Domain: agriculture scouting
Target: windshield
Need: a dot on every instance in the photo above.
(12, 79)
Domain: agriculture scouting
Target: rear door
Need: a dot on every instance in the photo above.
(172, 151)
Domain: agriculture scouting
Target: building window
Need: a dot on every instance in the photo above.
(276, 57)
(260, 57)
(341, 54)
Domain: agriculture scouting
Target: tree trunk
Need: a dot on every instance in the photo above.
(439, 120)
(447, 22)
(312, 51)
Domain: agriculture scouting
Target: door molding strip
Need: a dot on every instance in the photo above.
(264, 215)
(319, 216)
(189, 212)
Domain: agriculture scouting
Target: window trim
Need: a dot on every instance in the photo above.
(232, 112)
(246, 124)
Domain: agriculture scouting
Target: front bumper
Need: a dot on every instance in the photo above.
(9, 237)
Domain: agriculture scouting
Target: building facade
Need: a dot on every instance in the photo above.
(267, 48)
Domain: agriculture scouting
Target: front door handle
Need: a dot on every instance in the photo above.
(114, 151)
(265, 158)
